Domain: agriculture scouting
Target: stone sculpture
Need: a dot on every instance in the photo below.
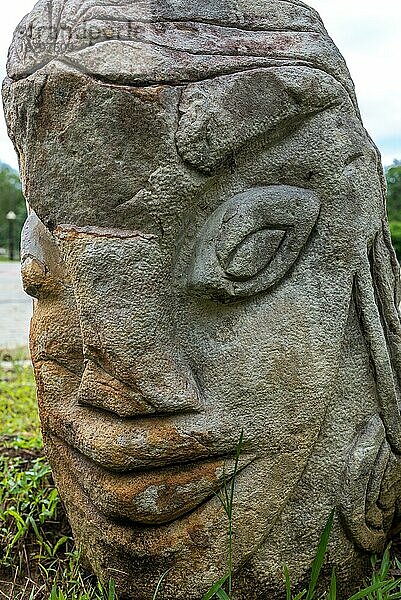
(209, 251)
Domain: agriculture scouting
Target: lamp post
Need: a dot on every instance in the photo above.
(11, 216)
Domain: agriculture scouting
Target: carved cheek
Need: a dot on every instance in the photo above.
(251, 241)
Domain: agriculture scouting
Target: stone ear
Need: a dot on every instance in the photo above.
(251, 241)
(370, 489)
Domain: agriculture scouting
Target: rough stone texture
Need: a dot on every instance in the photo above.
(209, 251)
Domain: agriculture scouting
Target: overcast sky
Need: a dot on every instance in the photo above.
(368, 34)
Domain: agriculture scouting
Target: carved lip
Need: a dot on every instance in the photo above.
(126, 445)
(153, 496)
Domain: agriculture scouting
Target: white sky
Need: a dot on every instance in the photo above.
(368, 34)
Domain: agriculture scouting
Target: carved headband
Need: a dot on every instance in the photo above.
(152, 42)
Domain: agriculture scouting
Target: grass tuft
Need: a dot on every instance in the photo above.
(19, 421)
(38, 560)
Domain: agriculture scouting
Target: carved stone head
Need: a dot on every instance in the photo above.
(209, 251)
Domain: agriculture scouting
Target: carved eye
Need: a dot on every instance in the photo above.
(253, 254)
(251, 241)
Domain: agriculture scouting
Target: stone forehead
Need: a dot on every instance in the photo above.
(178, 40)
(265, 14)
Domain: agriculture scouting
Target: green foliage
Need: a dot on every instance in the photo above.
(27, 501)
(75, 588)
(38, 560)
(19, 421)
(395, 228)
(310, 593)
(37, 553)
(382, 586)
(226, 497)
(319, 558)
(11, 199)
(393, 178)
(332, 595)
(215, 588)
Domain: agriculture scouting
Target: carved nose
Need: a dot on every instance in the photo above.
(143, 393)
(121, 282)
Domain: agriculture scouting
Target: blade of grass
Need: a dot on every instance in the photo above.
(287, 578)
(333, 586)
(238, 451)
(215, 587)
(160, 582)
(379, 585)
(112, 590)
(318, 561)
(300, 596)
(385, 563)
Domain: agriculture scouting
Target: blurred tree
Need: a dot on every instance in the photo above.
(395, 228)
(11, 199)
(393, 177)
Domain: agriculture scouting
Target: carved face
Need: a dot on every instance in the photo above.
(196, 250)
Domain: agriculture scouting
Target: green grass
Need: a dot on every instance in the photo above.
(16, 354)
(19, 421)
(6, 259)
(38, 560)
(223, 589)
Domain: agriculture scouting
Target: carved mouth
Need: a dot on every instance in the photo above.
(148, 470)
(154, 496)
(121, 445)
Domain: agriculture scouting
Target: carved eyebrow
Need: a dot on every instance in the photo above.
(222, 115)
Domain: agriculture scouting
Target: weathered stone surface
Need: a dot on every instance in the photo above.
(209, 251)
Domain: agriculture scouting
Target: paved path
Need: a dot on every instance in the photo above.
(15, 307)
